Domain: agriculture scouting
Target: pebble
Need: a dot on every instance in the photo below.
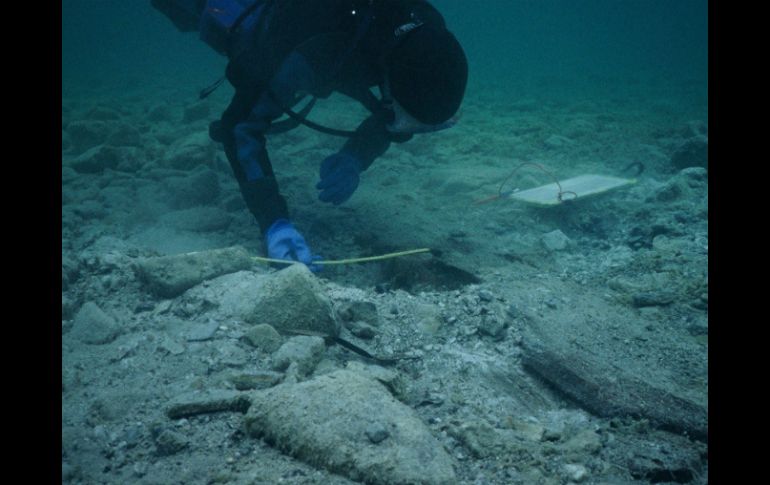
(361, 329)
(170, 442)
(376, 432)
(93, 326)
(486, 296)
(264, 337)
(555, 240)
(513, 311)
(303, 350)
(203, 331)
(576, 473)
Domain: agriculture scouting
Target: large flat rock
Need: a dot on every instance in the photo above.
(586, 362)
(351, 425)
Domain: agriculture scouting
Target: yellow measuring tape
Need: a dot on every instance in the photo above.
(344, 261)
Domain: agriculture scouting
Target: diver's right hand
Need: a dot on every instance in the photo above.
(285, 242)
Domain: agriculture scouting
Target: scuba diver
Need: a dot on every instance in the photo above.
(280, 51)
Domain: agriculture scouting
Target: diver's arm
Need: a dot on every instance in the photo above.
(372, 140)
(246, 147)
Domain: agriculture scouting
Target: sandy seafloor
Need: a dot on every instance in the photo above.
(624, 285)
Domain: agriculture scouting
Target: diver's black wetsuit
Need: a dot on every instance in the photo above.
(315, 47)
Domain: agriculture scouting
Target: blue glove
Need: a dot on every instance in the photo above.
(339, 178)
(285, 242)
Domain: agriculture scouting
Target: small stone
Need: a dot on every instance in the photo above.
(170, 442)
(93, 326)
(361, 329)
(203, 331)
(576, 473)
(513, 311)
(303, 350)
(492, 326)
(694, 152)
(264, 337)
(376, 432)
(486, 296)
(170, 346)
(359, 311)
(555, 240)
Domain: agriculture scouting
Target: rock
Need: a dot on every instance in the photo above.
(361, 329)
(125, 135)
(365, 311)
(303, 350)
(555, 240)
(694, 177)
(669, 460)
(673, 189)
(586, 441)
(170, 442)
(199, 189)
(486, 296)
(493, 326)
(428, 317)
(264, 337)
(376, 432)
(96, 160)
(93, 326)
(257, 380)
(325, 421)
(170, 276)
(160, 112)
(389, 378)
(483, 440)
(528, 430)
(170, 346)
(198, 219)
(210, 401)
(196, 112)
(203, 331)
(189, 152)
(694, 152)
(293, 299)
(86, 134)
(576, 473)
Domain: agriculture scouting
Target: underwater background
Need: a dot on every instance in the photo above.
(557, 344)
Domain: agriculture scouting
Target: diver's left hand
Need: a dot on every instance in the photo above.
(339, 178)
